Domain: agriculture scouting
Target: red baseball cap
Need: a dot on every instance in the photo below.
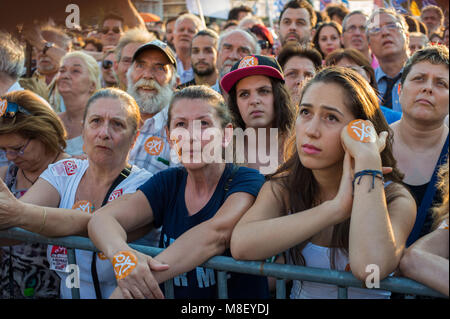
(252, 65)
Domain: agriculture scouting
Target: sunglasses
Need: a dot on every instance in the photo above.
(9, 109)
(106, 30)
(264, 44)
(107, 64)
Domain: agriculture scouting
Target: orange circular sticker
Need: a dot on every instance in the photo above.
(362, 131)
(248, 61)
(123, 263)
(3, 106)
(154, 145)
(84, 206)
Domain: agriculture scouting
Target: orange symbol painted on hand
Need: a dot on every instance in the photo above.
(123, 263)
(362, 131)
(154, 145)
(84, 206)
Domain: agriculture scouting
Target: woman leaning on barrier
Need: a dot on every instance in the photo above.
(64, 197)
(330, 205)
(32, 136)
(426, 261)
(196, 204)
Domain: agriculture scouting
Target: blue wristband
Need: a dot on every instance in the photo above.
(370, 172)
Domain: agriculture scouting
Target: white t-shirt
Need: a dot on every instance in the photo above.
(320, 257)
(65, 177)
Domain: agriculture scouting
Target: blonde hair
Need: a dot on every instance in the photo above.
(93, 71)
(440, 212)
(91, 64)
(42, 123)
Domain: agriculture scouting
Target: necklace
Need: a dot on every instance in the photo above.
(32, 182)
(29, 180)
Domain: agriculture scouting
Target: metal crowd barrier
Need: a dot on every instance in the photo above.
(222, 264)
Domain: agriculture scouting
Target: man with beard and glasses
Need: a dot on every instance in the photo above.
(296, 22)
(233, 46)
(151, 82)
(204, 59)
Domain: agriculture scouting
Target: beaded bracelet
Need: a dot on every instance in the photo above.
(370, 172)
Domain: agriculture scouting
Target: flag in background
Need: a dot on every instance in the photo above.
(414, 8)
(215, 9)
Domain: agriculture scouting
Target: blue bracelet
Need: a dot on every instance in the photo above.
(370, 172)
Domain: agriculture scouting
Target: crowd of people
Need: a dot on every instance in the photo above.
(321, 143)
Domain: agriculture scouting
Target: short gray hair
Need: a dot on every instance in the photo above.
(12, 56)
(256, 49)
(189, 16)
(344, 22)
(397, 16)
(132, 36)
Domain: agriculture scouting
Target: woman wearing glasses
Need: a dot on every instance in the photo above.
(32, 136)
(66, 194)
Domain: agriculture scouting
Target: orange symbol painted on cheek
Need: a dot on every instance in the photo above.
(84, 206)
(123, 263)
(154, 145)
(361, 131)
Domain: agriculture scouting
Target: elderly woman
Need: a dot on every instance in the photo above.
(64, 197)
(196, 204)
(32, 136)
(78, 78)
(260, 104)
(421, 136)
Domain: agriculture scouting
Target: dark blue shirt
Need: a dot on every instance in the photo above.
(165, 192)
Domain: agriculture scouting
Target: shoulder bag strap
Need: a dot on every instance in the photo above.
(123, 174)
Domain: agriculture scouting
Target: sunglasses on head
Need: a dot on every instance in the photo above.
(107, 64)
(9, 109)
(106, 30)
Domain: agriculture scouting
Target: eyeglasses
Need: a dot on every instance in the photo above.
(353, 28)
(10, 109)
(394, 26)
(20, 152)
(114, 29)
(264, 44)
(107, 64)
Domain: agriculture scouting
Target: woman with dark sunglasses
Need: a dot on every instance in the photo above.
(32, 136)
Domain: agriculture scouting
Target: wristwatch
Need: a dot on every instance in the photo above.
(47, 46)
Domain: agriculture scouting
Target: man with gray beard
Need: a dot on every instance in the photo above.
(151, 81)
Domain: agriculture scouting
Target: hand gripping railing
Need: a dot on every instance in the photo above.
(227, 264)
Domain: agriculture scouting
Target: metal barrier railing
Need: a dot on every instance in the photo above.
(223, 264)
